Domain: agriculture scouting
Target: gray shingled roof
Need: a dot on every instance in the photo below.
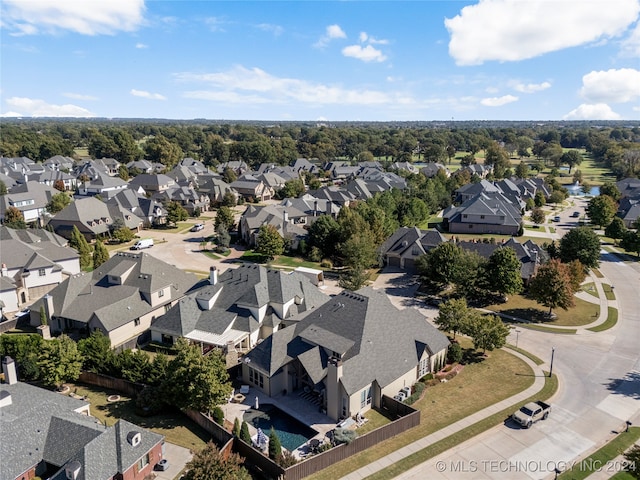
(379, 342)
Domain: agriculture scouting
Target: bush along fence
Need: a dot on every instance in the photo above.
(405, 416)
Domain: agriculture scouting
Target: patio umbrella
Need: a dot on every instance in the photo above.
(261, 439)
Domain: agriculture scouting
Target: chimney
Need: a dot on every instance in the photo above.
(328, 208)
(4, 270)
(285, 220)
(9, 370)
(213, 275)
(315, 208)
(48, 306)
(334, 392)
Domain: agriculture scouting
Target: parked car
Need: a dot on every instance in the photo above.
(531, 413)
(197, 227)
(556, 218)
(575, 214)
(144, 243)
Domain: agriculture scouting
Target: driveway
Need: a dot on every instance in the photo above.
(177, 457)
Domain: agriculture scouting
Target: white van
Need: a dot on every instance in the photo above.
(144, 243)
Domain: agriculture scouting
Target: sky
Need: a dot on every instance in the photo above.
(324, 61)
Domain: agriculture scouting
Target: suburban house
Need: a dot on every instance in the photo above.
(144, 166)
(121, 298)
(215, 188)
(288, 221)
(30, 198)
(238, 166)
(150, 211)
(406, 244)
(486, 212)
(34, 261)
(235, 310)
(92, 217)
(404, 167)
(53, 436)
(50, 177)
(101, 184)
(91, 168)
(348, 352)
(185, 196)
(251, 188)
(629, 204)
(479, 169)
(59, 163)
(431, 169)
(152, 183)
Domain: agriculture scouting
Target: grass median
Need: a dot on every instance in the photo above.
(479, 385)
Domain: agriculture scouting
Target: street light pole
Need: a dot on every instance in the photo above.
(553, 349)
(517, 335)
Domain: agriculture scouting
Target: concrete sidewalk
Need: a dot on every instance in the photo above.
(424, 442)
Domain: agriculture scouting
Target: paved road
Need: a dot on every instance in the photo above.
(599, 390)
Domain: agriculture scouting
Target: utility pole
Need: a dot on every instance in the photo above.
(553, 349)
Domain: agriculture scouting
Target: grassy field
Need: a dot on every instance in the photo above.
(590, 288)
(550, 387)
(479, 385)
(612, 319)
(175, 426)
(598, 460)
(520, 307)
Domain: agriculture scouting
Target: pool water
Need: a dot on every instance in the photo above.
(292, 433)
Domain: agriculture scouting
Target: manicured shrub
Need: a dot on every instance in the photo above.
(454, 355)
(218, 415)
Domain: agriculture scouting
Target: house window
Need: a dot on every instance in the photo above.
(42, 272)
(423, 366)
(136, 322)
(256, 377)
(365, 397)
(415, 250)
(143, 462)
(471, 225)
(464, 215)
(161, 293)
(345, 407)
(481, 217)
(501, 217)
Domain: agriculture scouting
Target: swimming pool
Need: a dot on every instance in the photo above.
(292, 433)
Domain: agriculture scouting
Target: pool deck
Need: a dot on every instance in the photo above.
(293, 405)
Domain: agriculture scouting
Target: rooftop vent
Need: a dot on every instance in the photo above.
(134, 438)
(5, 398)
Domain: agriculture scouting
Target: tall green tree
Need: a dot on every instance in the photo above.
(159, 149)
(292, 189)
(96, 351)
(502, 272)
(453, 316)
(601, 210)
(275, 447)
(616, 229)
(80, 244)
(440, 266)
(537, 216)
(13, 218)
(60, 361)
(324, 234)
(582, 244)
(100, 254)
(488, 332)
(210, 464)
(195, 381)
(552, 286)
(176, 213)
(269, 242)
(611, 190)
(244, 433)
(58, 202)
(631, 241)
(571, 158)
(224, 216)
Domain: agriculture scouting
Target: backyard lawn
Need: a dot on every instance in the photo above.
(176, 427)
(479, 385)
(520, 307)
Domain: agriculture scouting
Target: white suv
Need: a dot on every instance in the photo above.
(197, 227)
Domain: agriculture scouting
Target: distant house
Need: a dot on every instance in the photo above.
(101, 184)
(287, 220)
(30, 198)
(234, 311)
(629, 204)
(121, 298)
(53, 436)
(348, 353)
(34, 261)
(50, 177)
(432, 169)
(404, 167)
(151, 211)
(153, 183)
(238, 166)
(479, 169)
(187, 197)
(406, 244)
(215, 188)
(251, 188)
(93, 218)
(484, 213)
(59, 163)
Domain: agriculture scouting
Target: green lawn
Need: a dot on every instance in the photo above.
(598, 460)
(608, 291)
(590, 288)
(612, 319)
(479, 385)
(550, 387)
(542, 328)
(597, 273)
(176, 427)
(520, 307)
(375, 420)
(294, 262)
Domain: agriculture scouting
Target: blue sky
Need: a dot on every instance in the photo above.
(321, 60)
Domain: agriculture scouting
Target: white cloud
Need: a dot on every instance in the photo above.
(149, 95)
(268, 27)
(242, 85)
(511, 30)
(85, 17)
(141, 45)
(364, 37)
(498, 101)
(215, 24)
(366, 54)
(79, 96)
(611, 86)
(530, 87)
(631, 45)
(332, 32)
(598, 111)
(39, 108)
